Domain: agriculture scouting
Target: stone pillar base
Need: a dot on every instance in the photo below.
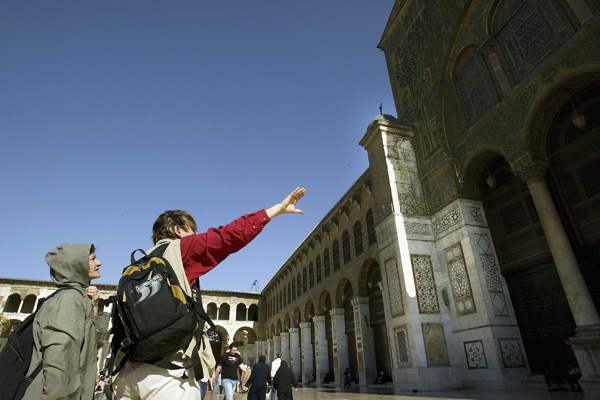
(586, 346)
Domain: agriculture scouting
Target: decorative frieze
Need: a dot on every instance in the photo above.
(447, 221)
(413, 228)
(427, 297)
(492, 275)
(474, 214)
(402, 348)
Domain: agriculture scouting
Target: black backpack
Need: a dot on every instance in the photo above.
(15, 357)
(153, 314)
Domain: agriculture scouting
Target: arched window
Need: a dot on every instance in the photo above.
(529, 32)
(224, 311)
(240, 312)
(293, 289)
(299, 285)
(284, 291)
(304, 281)
(335, 248)
(289, 293)
(475, 84)
(346, 247)
(358, 240)
(28, 304)
(253, 312)
(318, 264)
(326, 267)
(311, 275)
(13, 303)
(211, 310)
(371, 228)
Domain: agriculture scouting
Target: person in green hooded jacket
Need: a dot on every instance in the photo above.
(68, 329)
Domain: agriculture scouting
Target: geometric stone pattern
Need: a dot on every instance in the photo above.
(491, 273)
(511, 353)
(435, 345)
(475, 354)
(459, 280)
(447, 221)
(474, 214)
(426, 292)
(394, 288)
(417, 229)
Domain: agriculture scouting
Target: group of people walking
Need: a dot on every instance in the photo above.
(68, 328)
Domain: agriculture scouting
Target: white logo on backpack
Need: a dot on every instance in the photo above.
(149, 288)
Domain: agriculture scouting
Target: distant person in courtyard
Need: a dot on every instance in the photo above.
(283, 382)
(191, 255)
(260, 377)
(68, 330)
(347, 378)
(228, 366)
(274, 367)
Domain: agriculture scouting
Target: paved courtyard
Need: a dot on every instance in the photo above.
(375, 393)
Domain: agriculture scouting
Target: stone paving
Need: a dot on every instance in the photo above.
(387, 393)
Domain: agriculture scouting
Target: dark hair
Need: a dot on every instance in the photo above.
(164, 226)
(232, 345)
(262, 358)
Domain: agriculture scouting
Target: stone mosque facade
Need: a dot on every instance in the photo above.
(468, 253)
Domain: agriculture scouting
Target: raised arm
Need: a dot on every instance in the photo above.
(287, 205)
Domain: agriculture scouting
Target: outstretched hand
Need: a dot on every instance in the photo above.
(287, 205)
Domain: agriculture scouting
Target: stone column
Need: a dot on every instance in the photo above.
(270, 350)
(365, 344)
(340, 345)
(321, 361)
(232, 312)
(586, 343)
(262, 349)
(295, 356)
(276, 345)
(285, 346)
(307, 352)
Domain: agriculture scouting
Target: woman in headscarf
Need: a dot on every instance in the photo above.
(283, 381)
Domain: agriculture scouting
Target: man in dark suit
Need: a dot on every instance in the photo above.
(259, 379)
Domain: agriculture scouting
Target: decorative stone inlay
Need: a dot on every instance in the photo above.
(403, 350)
(474, 214)
(459, 280)
(413, 228)
(394, 288)
(447, 221)
(475, 354)
(491, 273)
(427, 297)
(435, 345)
(511, 353)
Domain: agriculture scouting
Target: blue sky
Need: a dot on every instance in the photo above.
(113, 111)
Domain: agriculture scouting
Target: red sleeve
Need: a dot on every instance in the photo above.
(202, 252)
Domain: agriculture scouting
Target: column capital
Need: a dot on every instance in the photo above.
(285, 334)
(318, 318)
(336, 311)
(530, 167)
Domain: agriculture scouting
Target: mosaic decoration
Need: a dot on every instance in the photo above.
(459, 280)
(395, 290)
(474, 214)
(491, 273)
(426, 291)
(400, 334)
(511, 353)
(435, 345)
(413, 228)
(447, 221)
(476, 85)
(475, 354)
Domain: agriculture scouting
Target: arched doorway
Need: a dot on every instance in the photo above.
(377, 322)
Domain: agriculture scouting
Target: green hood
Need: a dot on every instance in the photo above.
(69, 264)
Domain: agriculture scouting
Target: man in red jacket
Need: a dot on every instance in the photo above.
(191, 255)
